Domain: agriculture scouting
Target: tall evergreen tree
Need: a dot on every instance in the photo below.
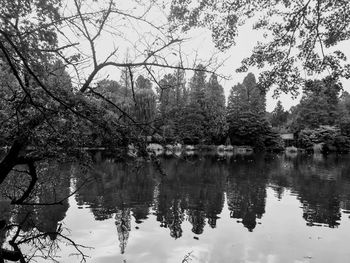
(235, 101)
(172, 96)
(145, 101)
(125, 82)
(319, 104)
(279, 115)
(192, 123)
(246, 114)
(215, 111)
(344, 113)
(181, 96)
(198, 87)
(166, 94)
(255, 98)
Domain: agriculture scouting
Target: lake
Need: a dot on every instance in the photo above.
(200, 208)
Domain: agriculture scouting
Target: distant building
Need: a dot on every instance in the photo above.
(288, 139)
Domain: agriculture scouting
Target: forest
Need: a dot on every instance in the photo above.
(195, 112)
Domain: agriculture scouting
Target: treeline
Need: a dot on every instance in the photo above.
(194, 111)
(174, 109)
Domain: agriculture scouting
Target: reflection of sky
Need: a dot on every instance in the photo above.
(282, 236)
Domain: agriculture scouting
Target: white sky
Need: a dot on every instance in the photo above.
(245, 42)
(198, 45)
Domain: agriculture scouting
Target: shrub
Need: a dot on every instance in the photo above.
(329, 136)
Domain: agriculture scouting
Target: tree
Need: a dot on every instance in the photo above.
(247, 97)
(215, 111)
(319, 104)
(168, 106)
(110, 88)
(300, 35)
(172, 95)
(113, 91)
(125, 79)
(246, 115)
(191, 125)
(143, 83)
(235, 100)
(279, 115)
(255, 97)
(197, 87)
(145, 101)
(193, 119)
(344, 113)
(181, 92)
(166, 95)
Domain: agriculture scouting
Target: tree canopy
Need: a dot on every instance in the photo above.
(318, 106)
(278, 116)
(246, 116)
(299, 35)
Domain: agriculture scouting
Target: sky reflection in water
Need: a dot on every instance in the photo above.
(258, 208)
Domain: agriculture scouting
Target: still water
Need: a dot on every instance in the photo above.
(206, 208)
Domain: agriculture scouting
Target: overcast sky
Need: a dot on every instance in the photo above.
(245, 43)
(198, 45)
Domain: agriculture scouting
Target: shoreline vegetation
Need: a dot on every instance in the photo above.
(197, 115)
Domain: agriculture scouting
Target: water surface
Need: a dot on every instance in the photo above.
(257, 208)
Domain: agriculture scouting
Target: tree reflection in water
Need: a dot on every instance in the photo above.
(122, 221)
(33, 229)
(246, 190)
(193, 190)
(320, 185)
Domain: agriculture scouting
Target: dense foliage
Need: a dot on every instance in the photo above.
(246, 116)
(324, 139)
(319, 104)
(279, 116)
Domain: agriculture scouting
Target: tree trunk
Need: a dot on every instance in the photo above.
(10, 159)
